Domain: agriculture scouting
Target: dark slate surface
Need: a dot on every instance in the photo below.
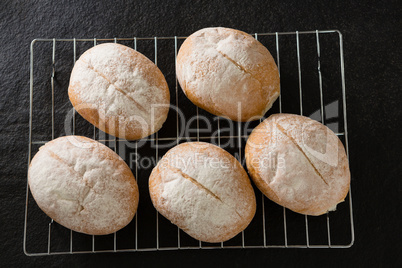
(372, 62)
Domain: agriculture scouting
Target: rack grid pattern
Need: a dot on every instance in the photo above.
(113, 143)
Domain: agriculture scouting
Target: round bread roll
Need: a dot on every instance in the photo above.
(228, 73)
(203, 190)
(83, 185)
(298, 163)
(120, 91)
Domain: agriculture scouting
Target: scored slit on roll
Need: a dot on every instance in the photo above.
(298, 163)
(120, 91)
(204, 191)
(228, 73)
(83, 185)
(281, 129)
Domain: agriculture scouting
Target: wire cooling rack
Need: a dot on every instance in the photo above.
(273, 226)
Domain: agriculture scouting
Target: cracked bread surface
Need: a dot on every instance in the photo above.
(120, 91)
(298, 163)
(228, 73)
(83, 185)
(203, 190)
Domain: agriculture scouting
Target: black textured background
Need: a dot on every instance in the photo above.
(371, 31)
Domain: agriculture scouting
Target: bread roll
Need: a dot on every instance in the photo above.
(204, 190)
(228, 73)
(83, 185)
(298, 163)
(120, 91)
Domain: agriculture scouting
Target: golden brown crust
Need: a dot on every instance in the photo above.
(203, 190)
(228, 73)
(298, 163)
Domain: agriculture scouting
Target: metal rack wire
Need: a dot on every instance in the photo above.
(264, 243)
